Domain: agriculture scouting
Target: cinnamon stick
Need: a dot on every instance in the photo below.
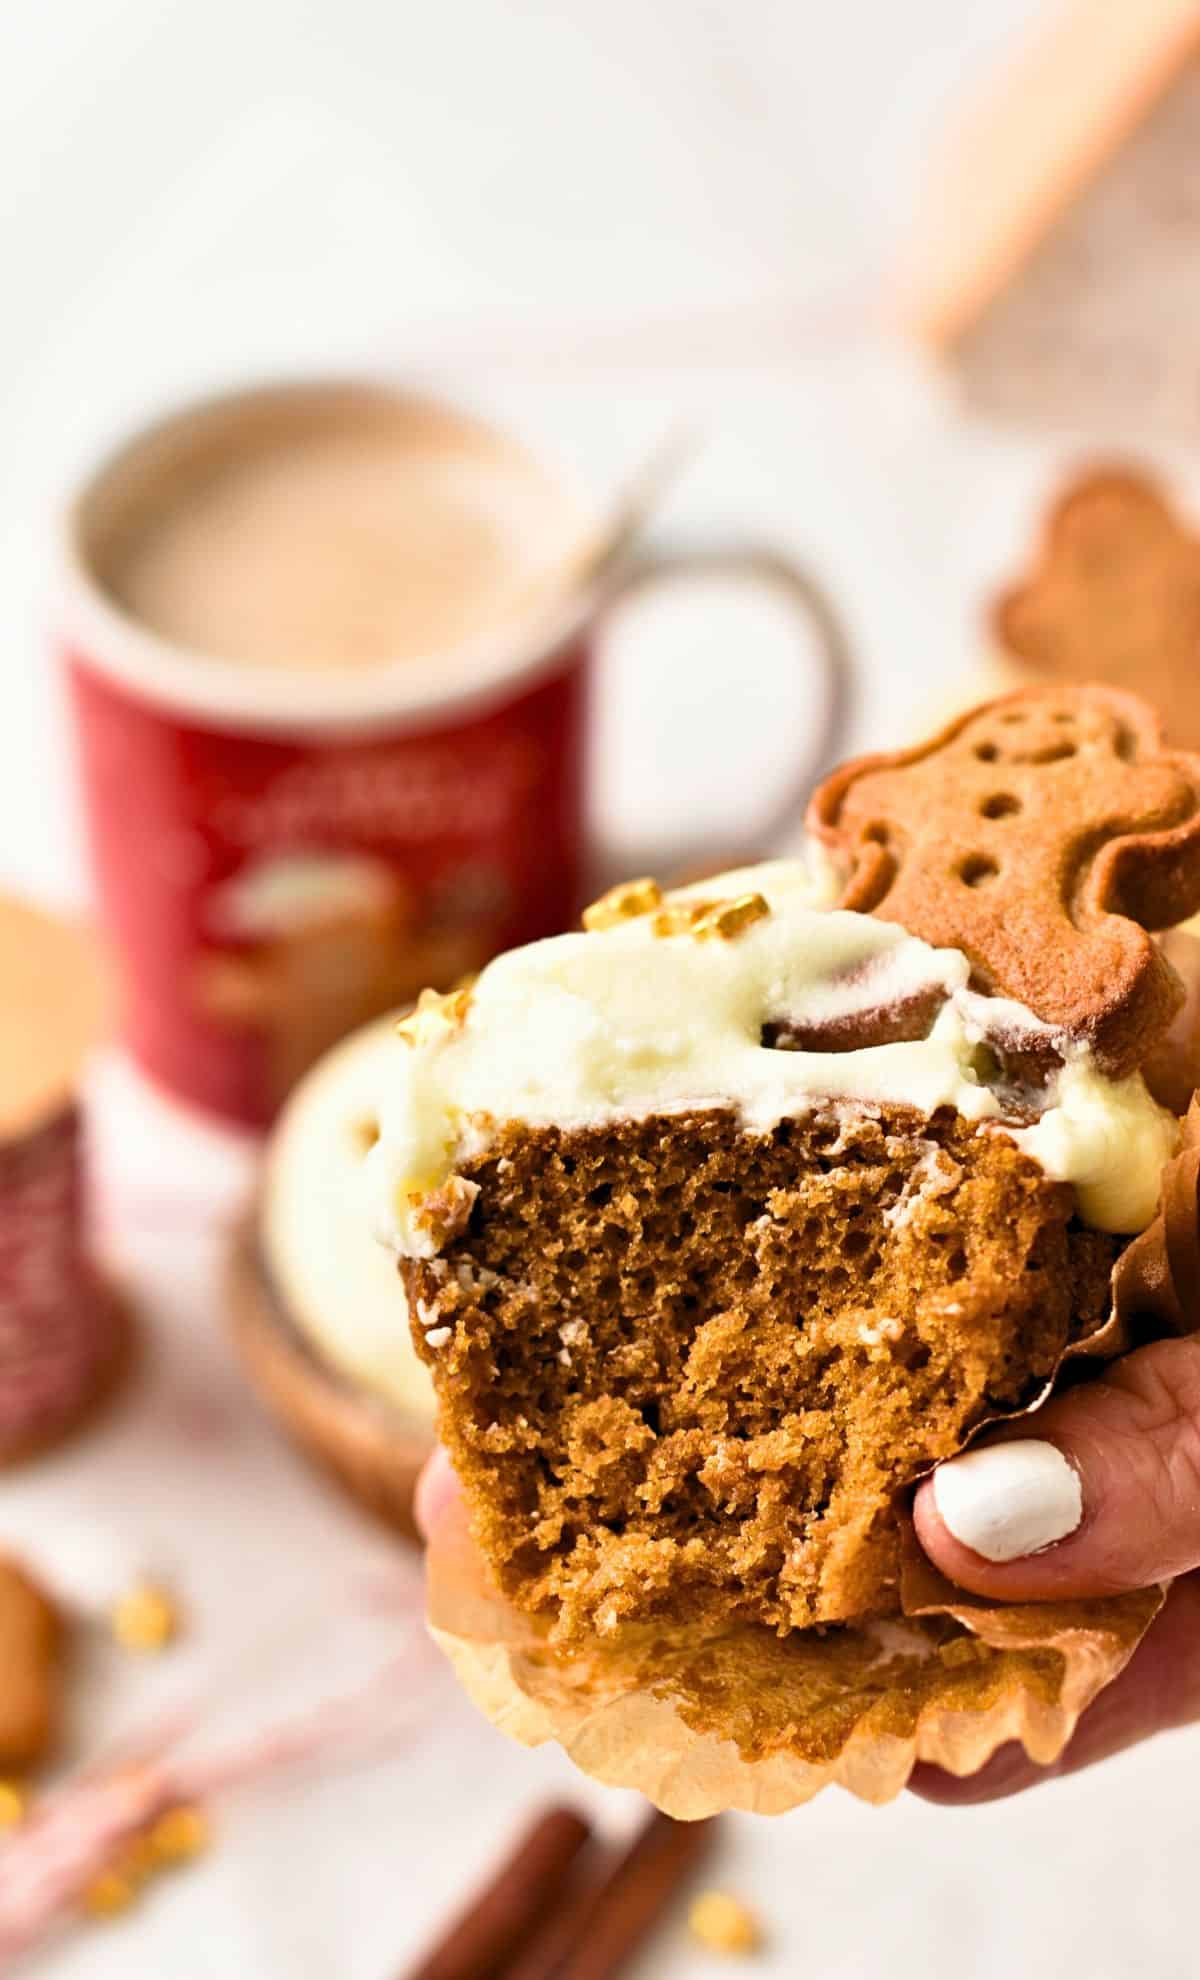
(497, 1923)
(601, 1924)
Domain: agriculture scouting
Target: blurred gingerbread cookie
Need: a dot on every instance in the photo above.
(31, 1645)
(1043, 835)
(1113, 595)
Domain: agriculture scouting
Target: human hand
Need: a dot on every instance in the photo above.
(1100, 1494)
(437, 1491)
(1104, 1499)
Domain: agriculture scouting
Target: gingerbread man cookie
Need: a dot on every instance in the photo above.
(30, 1669)
(1113, 596)
(1043, 835)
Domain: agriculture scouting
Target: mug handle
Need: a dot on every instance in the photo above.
(771, 570)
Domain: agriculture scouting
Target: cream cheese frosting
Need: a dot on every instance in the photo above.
(338, 1288)
(586, 1029)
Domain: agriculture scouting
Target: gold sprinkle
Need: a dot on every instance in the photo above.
(146, 1619)
(707, 919)
(432, 1006)
(109, 1894)
(179, 1835)
(682, 917)
(14, 1803)
(723, 1924)
(135, 1861)
(624, 903)
(729, 918)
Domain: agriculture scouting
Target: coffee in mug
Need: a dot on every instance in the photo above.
(331, 695)
(350, 532)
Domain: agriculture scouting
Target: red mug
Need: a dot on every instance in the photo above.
(282, 854)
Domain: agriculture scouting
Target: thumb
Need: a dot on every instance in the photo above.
(437, 1491)
(1105, 1497)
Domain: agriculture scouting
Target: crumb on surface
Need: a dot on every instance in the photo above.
(175, 1837)
(179, 1834)
(146, 1618)
(721, 1923)
(109, 1894)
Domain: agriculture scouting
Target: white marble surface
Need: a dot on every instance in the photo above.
(591, 216)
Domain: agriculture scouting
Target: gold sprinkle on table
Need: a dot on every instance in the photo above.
(723, 1924)
(178, 1836)
(146, 1619)
(14, 1803)
(175, 1837)
(135, 1860)
(109, 1894)
(624, 903)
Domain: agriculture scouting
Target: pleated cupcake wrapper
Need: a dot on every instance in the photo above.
(745, 1719)
(700, 1722)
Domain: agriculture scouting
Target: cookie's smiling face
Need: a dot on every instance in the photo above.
(1042, 835)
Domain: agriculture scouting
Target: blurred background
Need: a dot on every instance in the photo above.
(591, 217)
(594, 223)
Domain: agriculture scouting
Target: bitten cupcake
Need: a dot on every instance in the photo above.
(724, 1220)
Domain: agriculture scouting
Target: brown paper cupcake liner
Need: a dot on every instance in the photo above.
(700, 1721)
(745, 1719)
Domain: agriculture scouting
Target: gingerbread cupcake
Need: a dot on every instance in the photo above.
(314, 1299)
(725, 1220)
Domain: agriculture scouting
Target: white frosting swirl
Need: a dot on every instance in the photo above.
(339, 1289)
(587, 1029)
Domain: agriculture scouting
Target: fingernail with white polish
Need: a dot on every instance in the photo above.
(1008, 1500)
